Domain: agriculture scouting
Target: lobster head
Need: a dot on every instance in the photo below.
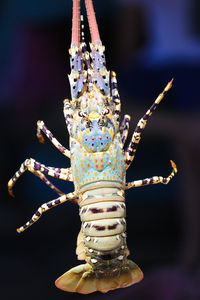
(92, 116)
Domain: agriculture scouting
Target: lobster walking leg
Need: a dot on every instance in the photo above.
(41, 127)
(131, 150)
(37, 169)
(124, 128)
(45, 207)
(154, 179)
(115, 95)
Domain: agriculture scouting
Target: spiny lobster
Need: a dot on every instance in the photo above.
(98, 166)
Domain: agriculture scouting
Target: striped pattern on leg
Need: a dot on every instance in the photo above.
(124, 128)
(60, 173)
(37, 168)
(68, 113)
(131, 150)
(12, 181)
(154, 179)
(41, 127)
(115, 95)
(45, 207)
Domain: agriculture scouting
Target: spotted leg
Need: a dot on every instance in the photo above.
(124, 128)
(154, 179)
(46, 206)
(131, 150)
(37, 169)
(41, 127)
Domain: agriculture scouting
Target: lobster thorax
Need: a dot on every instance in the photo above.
(93, 124)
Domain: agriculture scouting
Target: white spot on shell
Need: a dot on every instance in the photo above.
(120, 193)
(85, 196)
(85, 224)
(91, 250)
(92, 224)
(88, 238)
(95, 240)
(120, 257)
(117, 237)
(93, 260)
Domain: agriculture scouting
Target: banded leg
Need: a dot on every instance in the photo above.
(68, 113)
(124, 128)
(115, 95)
(41, 127)
(37, 169)
(131, 150)
(45, 207)
(154, 179)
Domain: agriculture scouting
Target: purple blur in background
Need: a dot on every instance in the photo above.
(147, 43)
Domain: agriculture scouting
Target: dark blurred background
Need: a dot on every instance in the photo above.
(147, 43)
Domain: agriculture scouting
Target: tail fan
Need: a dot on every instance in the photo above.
(83, 279)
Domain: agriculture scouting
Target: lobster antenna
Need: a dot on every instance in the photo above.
(76, 23)
(92, 22)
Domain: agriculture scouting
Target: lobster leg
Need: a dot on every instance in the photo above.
(41, 127)
(37, 169)
(154, 179)
(45, 207)
(131, 150)
(124, 128)
(115, 96)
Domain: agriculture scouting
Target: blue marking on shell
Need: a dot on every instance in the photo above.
(102, 83)
(96, 140)
(76, 61)
(98, 60)
(100, 166)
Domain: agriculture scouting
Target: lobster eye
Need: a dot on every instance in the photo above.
(105, 111)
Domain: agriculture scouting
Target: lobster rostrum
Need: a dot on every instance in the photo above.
(98, 166)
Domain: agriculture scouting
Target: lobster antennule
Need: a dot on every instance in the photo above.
(76, 23)
(92, 22)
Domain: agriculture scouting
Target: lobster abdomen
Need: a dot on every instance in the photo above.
(102, 243)
(103, 219)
